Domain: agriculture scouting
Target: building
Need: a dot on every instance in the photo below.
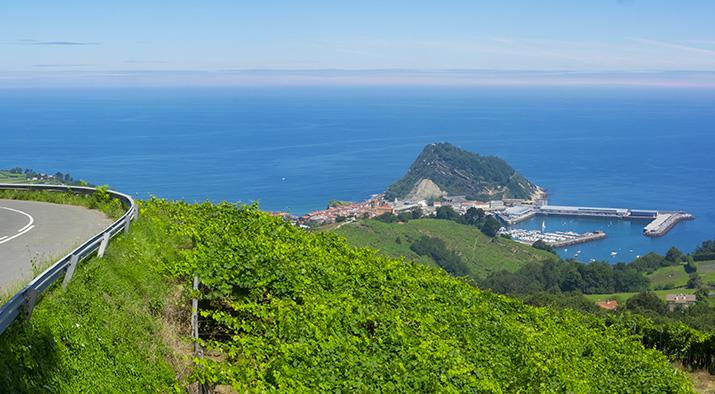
(679, 300)
(609, 305)
(583, 211)
(642, 214)
(382, 209)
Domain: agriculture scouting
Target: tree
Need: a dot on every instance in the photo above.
(674, 255)
(649, 263)
(387, 217)
(417, 213)
(598, 277)
(691, 266)
(404, 216)
(540, 244)
(694, 282)
(706, 251)
(473, 216)
(628, 279)
(447, 213)
(702, 294)
(443, 256)
(647, 301)
(491, 227)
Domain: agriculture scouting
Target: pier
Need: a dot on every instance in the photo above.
(664, 222)
(660, 222)
(582, 238)
(557, 239)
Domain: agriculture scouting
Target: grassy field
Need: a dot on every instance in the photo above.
(481, 253)
(7, 177)
(706, 269)
(676, 277)
(673, 276)
(623, 297)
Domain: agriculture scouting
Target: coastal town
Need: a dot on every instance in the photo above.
(377, 205)
(508, 211)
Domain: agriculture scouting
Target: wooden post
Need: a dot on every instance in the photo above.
(195, 317)
(70, 270)
(203, 388)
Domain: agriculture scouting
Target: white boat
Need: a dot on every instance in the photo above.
(614, 253)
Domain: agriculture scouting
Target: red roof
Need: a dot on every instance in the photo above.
(608, 305)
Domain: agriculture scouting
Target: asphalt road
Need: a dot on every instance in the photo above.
(33, 233)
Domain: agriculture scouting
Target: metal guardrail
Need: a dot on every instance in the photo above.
(22, 303)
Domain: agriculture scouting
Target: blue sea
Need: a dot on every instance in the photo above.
(293, 149)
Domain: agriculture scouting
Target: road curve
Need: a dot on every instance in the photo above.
(32, 233)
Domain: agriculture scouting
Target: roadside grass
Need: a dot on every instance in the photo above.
(107, 331)
(482, 254)
(37, 268)
(111, 207)
(104, 333)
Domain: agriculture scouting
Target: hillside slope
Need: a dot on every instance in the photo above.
(290, 311)
(284, 310)
(444, 168)
(482, 254)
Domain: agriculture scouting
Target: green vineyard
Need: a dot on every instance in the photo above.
(285, 310)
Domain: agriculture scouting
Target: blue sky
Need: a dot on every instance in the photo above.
(214, 42)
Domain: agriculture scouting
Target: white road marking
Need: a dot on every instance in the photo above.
(29, 226)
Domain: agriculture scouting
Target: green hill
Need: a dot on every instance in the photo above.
(482, 254)
(285, 310)
(674, 276)
(444, 168)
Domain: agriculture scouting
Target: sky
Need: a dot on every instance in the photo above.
(389, 41)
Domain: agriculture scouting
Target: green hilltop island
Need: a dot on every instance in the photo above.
(443, 170)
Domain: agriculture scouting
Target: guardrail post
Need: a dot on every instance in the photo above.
(103, 245)
(127, 223)
(136, 213)
(30, 301)
(70, 270)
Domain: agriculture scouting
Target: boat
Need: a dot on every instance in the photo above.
(614, 253)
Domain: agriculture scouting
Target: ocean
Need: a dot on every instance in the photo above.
(294, 149)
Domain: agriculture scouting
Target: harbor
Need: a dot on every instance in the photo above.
(659, 222)
(557, 239)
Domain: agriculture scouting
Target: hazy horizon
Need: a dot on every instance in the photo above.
(614, 43)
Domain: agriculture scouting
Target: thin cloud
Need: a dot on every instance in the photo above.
(61, 43)
(50, 43)
(671, 45)
(145, 62)
(57, 65)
